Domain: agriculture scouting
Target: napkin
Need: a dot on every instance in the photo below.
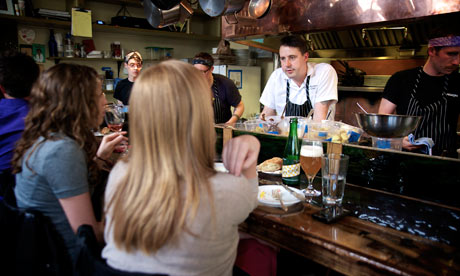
(427, 142)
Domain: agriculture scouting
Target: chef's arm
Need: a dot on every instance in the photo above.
(321, 109)
(237, 113)
(386, 107)
(267, 112)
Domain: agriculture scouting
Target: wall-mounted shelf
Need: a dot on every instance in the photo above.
(51, 23)
(369, 89)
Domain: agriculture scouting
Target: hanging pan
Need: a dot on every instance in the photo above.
(259, 8)
(221, 7)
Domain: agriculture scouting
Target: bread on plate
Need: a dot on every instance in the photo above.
(271, 165)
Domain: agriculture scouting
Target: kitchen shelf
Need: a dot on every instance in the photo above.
(137, 4)
(51, 23)
(369, 89)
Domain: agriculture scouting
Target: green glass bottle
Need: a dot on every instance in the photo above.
(291, 163)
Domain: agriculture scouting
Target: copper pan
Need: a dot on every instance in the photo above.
(259, 8)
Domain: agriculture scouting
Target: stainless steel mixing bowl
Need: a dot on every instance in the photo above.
(387, 126)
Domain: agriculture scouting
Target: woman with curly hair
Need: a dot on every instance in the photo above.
(58, 155)
(167, 210)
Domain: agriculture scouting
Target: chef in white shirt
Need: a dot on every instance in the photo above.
(299, 85)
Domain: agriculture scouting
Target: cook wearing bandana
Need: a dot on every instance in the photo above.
(133, 64)
(431, 91)
(225, 93)
(299, 85)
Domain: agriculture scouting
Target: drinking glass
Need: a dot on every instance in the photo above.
(310, 161)
(114, 117)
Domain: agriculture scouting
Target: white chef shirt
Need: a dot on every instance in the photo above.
(322, 87)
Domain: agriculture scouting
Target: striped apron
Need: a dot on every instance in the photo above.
(293, 109)
(434, 122)
(218, 114)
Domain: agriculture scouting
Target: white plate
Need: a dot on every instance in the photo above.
(274, 173)
(265, 196)
(219, 166)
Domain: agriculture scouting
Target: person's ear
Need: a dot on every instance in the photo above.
(431, 51)
(305, 56)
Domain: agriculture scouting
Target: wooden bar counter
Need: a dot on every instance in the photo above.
(404, 214)
(354, 246)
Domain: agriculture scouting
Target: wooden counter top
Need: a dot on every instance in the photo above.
(356, 246)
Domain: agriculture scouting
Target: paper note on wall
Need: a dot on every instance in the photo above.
(81, 23)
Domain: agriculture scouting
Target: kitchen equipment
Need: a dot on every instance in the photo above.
(362, 108)
(259, 8)
(387, 126)
(178, 13)
(165, 4)
(220, 7)
(152, 13)
(160, 18)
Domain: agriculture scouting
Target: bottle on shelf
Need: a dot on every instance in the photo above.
(68, 46)
(291, 157)
(52, 45)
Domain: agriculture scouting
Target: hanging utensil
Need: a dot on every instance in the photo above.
(165, 4)
(152, 13)
(221, 7)
(259, 8)
(364, 110)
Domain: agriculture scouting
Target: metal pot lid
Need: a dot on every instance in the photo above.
(152, 13)
(212, 7)
(165, 4)
(259, 8)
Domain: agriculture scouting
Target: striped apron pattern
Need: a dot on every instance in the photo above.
(293, 109)
(434, 116)
(218, 115)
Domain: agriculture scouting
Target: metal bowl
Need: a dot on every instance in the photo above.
(387, 126)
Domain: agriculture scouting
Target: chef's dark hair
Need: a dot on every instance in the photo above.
(18, 72)
(295, 41)
(203, 58)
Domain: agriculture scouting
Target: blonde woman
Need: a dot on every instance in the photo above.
(167, 210)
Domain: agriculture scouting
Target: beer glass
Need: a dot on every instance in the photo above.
(310, 161)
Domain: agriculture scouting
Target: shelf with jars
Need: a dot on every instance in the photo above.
(52, 23)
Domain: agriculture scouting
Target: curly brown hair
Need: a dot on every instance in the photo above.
(63, 100)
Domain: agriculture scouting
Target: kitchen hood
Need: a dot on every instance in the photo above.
(370, 26)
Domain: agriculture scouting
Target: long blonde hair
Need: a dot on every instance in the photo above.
(172, 157)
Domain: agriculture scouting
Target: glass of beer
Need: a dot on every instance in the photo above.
(310, 161)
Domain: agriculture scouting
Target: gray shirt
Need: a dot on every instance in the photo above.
(209, 253)
(55, 170)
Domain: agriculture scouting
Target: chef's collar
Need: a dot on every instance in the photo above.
(203, 62)
(446, 41)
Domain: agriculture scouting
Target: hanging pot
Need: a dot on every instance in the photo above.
(152, 13)
(259, 8)
(159, 18)
(179, 13)
(165, 4)
(221, 7)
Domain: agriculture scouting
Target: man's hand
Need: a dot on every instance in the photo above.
(408, 146)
